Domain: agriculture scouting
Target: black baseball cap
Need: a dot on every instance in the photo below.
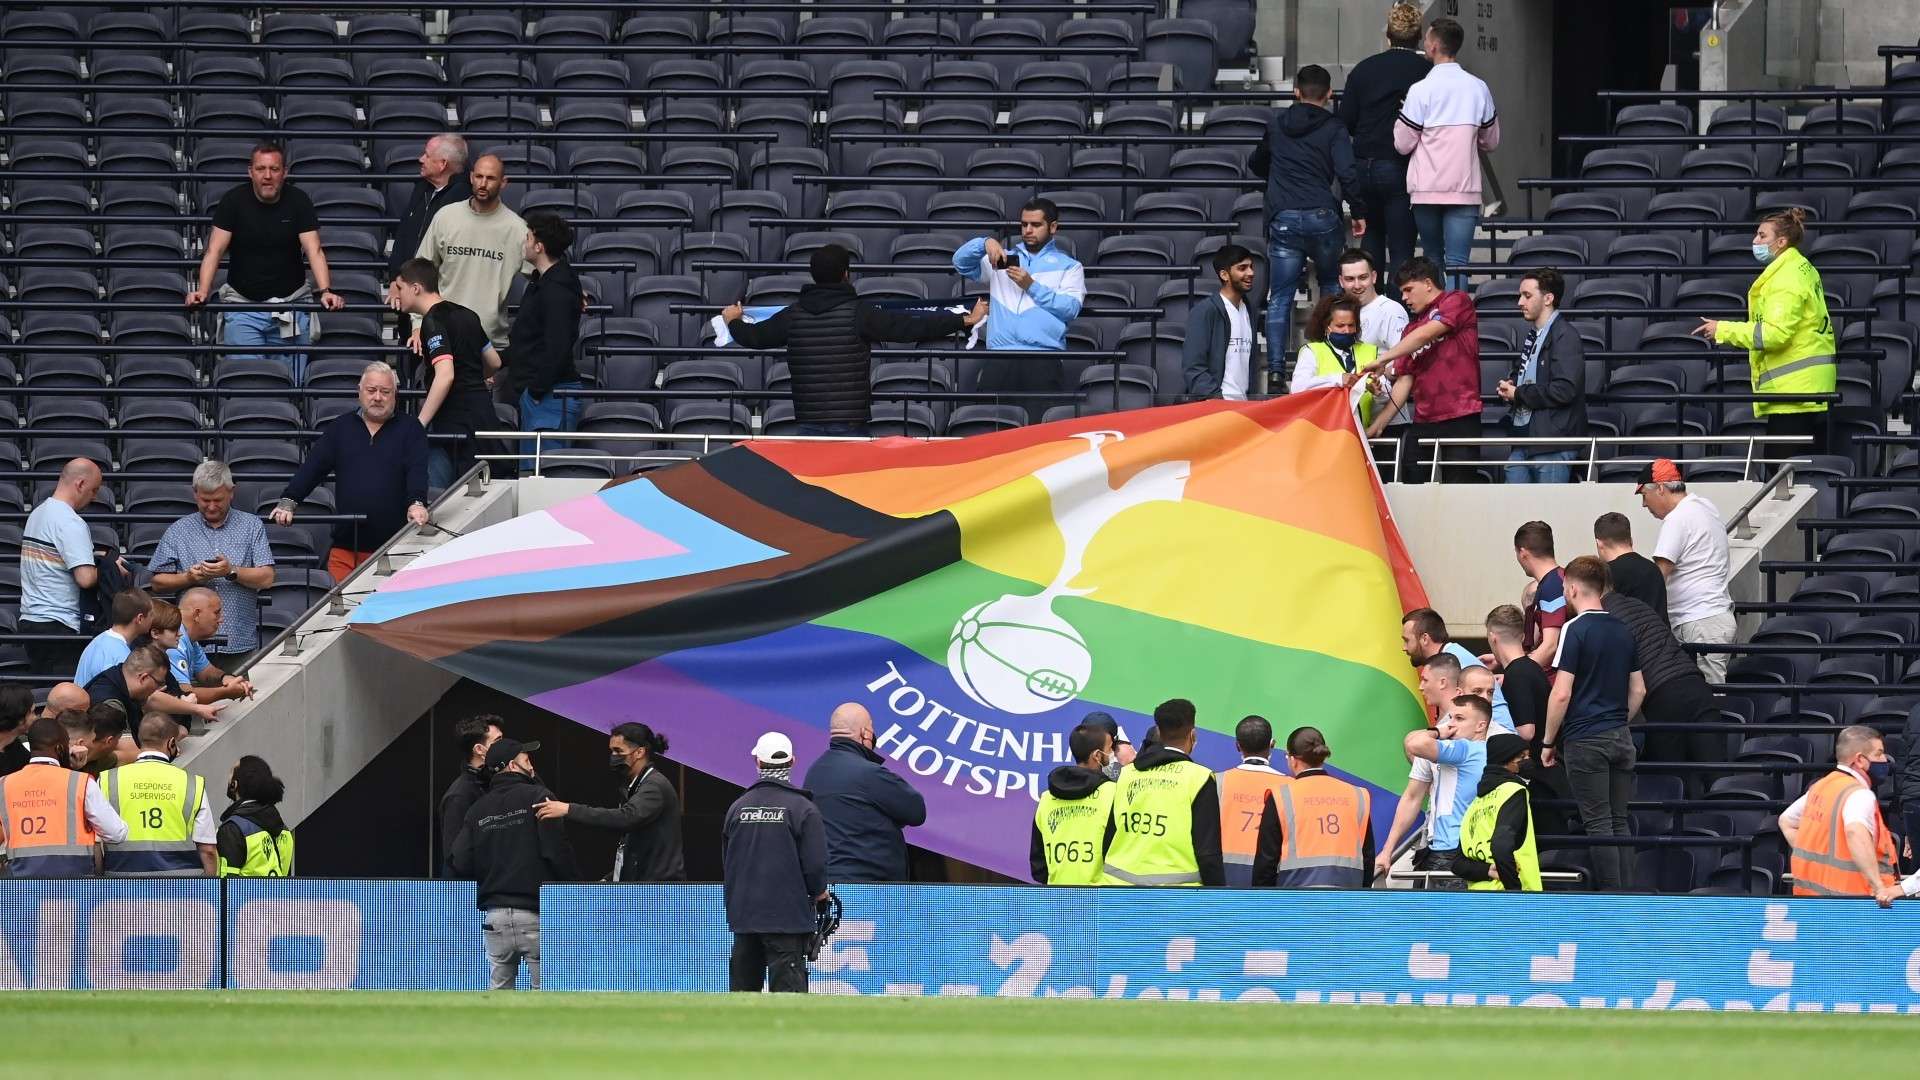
(1501, 749)
(503, 751)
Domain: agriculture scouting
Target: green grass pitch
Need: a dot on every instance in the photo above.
(527, 1036)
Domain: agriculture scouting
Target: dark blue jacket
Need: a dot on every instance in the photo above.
(773, 857)
(378, 475)
(1303, 152)
(865, 806)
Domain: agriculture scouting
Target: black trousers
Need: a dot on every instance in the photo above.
(1684, 701)
(53, 657)
(1021, 374)
(775, 961)
(1812, 424)
(1460, 427)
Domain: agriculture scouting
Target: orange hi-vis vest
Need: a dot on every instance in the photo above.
(1822, 865)
(1324, 823)
(1243, 792)
(45, 810)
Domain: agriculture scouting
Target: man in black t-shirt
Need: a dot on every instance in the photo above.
(462, 362)
(264, 225)
(1525, 685)
(1632, 573)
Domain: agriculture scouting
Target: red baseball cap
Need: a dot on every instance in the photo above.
(1658, 471)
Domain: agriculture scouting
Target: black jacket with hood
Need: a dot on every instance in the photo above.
(1206, 814)
(508, 851)
(230, 840)
(1072, 783)
(773, 857)
(829, 334)
(545, 332)
(1509, 832)
(1303, 152)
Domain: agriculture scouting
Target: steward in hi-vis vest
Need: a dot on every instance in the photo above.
(1166, 813)
(1841, 844)
(1074, 822)
(169, 828)
(1316, 832)
(252, 840)
(1244, 790)
(52, 816)
(1497, 849)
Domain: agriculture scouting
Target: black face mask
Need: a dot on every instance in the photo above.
(233, 792)
(617, 764)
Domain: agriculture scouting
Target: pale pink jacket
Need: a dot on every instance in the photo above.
(1447, 120)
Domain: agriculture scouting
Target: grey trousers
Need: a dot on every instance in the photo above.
(512, 934)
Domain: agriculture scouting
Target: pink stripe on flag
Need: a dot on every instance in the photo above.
(612, 538)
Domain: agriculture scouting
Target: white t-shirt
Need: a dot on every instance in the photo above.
(1383, 322)
(1858, 808)
(1233, 381)
(54, 543)
(1694, 539)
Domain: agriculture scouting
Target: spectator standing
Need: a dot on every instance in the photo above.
(1447, 120)
(1692, 555)
(1788, 334)
(1302, 154)
(443, 182)
(510, 854)
(1440, 683)
(1375, 91)
(863, 804)
(1546, 394)
(57, 569)
(253, 840)
(1597, 685)
(1676, 691)
(773, 855)
(477, 247)
(16, 712)
(1526, 686)
(224, 549)
(1479, 681)
(1316, 832)
(378, 460)
(648, 817)
(169, 826)
(1547, 611)
(1166, 811)
(462, 358)
(1436, 364)
(1423, 633)
(1446, 761)
(1841, 844)
(829, 333)
(1244, 789)
(1217, 352)
(132, 615)
(265, 225)
(1632, 573)
(1035, 292)
(547, 328)
(1382, 323)
(1497, 849)
(59, 844)
(1073, 825)
(187, 662)
(475, 736)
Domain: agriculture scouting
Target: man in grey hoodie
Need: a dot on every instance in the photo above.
(1304, 151)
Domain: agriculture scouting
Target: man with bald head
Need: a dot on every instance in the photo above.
(187, 661)
(862, 802)
(65, 696)
(56, 567)
(478, 245)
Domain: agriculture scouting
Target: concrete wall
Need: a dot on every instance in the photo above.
(1734, 56)
(1463, 548)
(1848, 32)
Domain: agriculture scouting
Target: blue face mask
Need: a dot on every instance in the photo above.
(1878, 771)
(1342, 341)
(1763, 253)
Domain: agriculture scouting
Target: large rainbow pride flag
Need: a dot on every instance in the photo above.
(979, 596)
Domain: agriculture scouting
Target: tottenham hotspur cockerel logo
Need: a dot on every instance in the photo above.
(1015, 654)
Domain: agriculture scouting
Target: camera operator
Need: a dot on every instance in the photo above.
(773, 855)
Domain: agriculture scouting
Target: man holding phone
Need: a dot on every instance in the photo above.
(1035, 290)
(225, 550)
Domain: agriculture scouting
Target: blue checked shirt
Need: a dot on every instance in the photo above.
(242, 538)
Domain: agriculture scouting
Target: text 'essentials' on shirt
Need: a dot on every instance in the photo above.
(263, 258)
(242, 538)
(54, 543)
(1694, 539)
(1599, 651)
(478, 255)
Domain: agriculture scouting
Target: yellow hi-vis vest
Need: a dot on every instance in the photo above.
(1363, 354)
(268, 854)
(1153, 825)
(1073, 835)
(1476, 838)
(158, 801)
(1789, 340)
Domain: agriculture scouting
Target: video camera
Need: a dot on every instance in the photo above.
(826, 919)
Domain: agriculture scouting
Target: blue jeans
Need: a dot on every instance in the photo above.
(439, 467)
(1390, 232)
(1293, 237)
(258, 328)
(553, 413)
(1446, 236)
(1554, 467)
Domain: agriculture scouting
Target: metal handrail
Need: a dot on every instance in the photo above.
(1778, 485)
(1593, 444)
(492, 137)
(601, 49)
(675, 7)
(1684, 182)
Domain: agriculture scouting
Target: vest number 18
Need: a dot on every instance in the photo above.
(152, 818)
(1330, 825)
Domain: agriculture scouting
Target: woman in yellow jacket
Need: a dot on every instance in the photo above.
(1788, 336)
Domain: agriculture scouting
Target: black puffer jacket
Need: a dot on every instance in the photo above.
(829, 335)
